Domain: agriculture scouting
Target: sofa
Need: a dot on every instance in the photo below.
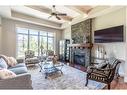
(22, 80)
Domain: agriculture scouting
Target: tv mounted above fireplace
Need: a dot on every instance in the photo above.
(112, 34)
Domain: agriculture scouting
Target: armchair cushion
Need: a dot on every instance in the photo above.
(29, 54)
(101, 65)
(50, 53)
(30, 57)
(32, 60)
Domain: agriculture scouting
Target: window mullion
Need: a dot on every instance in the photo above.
(47, 41)
(28, 39)
(38, 43)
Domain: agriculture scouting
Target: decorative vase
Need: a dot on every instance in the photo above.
(55, 59)
(84, 39)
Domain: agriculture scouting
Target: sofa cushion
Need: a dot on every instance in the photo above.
(18, 65)
(5, 73)
(3, 63)
(18, 70)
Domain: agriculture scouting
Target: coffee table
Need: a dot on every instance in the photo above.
(49, 68)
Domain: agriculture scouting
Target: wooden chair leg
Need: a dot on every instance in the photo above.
(109, 86)
(86, 82)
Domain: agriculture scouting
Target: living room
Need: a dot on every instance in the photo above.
(21, 31)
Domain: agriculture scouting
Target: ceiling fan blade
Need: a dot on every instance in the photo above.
(49, 17)
(62, 14)
(58, 18)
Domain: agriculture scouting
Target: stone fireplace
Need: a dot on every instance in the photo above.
(80, 54)
(80, 49)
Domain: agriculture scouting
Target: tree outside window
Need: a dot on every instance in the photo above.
(33, 40)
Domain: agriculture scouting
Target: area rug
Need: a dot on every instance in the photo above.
(71, 78)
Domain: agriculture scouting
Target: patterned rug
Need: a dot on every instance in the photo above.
(71, 79)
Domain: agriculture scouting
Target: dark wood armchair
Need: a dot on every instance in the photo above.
(104, 75)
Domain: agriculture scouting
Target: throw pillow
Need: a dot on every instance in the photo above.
(111, 60)
(5, 74)
(12, 61)
(101, 65)
(3, 63)
(5, 58)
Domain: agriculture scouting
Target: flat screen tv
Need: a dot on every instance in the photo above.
(112, 34)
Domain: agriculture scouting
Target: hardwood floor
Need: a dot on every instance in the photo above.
(117, 84)
(82, 68)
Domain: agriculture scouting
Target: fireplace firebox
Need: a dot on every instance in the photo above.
(79, 58)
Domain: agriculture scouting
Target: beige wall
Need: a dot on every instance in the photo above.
(66, 34)
(109, 20)
(0, 40)
(0, 37)
(9, 35)
(114, 18)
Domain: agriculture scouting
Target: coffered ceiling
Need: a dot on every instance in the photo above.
(45, 11)
(39, 14)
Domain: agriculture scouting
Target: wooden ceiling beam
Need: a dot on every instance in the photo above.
(75, 9)
(84, 9)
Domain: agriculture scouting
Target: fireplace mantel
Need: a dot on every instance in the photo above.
(87, 45)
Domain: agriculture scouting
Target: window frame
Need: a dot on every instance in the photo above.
(39, 35)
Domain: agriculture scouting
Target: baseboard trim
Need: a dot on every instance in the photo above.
(125, 79)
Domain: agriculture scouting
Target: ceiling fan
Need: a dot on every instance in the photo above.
(56, 14)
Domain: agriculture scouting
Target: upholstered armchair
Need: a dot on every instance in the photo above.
(50, 52)
(50, 55)
(103, 74)
(30, 58)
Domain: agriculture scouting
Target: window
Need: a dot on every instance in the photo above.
(33, 40)
(22, 41)
(50, 41)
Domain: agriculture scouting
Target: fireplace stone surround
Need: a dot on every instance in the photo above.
(80, 54)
